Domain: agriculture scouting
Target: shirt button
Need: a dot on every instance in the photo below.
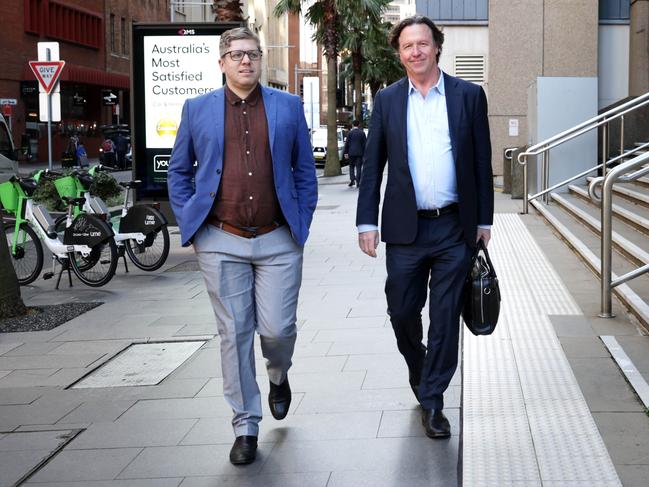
(251, 197)
(244, 112)
(247, 152)
(249, 174)
(212, 194)
(246, 131)
(218, 171)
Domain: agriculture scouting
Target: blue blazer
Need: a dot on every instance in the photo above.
(466, 105)
(200, 138)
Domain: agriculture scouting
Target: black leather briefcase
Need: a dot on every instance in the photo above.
(481, 305)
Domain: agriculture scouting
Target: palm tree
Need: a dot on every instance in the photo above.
(363, 26)
(324, 16)
(11, 304)
(227, 11)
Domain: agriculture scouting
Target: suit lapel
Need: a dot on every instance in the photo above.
(270, 107)
(453, 109)
(400, 114)
(218, 114)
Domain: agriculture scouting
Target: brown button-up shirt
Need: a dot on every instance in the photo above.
(246, 195)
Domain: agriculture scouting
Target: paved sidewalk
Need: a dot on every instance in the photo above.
(353, 420)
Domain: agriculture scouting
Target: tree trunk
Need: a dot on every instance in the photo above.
(11, 304)
(357, 63)
(332, 164)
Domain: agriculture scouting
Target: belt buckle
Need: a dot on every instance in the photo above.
(437, 212)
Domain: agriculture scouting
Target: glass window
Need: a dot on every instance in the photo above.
(113, 46)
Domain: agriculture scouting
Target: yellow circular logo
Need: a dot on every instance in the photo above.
(166, 126)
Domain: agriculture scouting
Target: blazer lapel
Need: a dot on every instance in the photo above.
(270, 107)
(400, 114)
(453, 109)
(218, 112)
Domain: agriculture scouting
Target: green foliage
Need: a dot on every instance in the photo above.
(47, 196)
(105, 186)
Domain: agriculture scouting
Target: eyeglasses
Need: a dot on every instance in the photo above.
(238, 55)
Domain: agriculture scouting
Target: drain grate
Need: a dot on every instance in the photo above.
(141, 364)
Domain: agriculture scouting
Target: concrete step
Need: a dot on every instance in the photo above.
(628, 212)
(586, 245)
(626, 239)
(637, 195)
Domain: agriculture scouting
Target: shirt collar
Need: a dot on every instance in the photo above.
(439, 86)
(251, 99)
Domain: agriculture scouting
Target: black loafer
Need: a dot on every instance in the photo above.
(435, 423)
(244, 450)
(279, 399)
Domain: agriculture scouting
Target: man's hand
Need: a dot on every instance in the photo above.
(346, 156)
(484, 234)
(368, 242)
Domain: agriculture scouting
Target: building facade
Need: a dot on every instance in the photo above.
(507, 46)
(93, 37)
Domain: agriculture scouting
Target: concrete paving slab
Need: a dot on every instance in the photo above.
(583, 347)
(6, 345)
(279, 480)
(86, 465)
(371, 478)
(402, 424)
(14, 465)
(125, 434)
(167, 482)
(189, 461)
(389, 456)
(97, 411)
(19, 395)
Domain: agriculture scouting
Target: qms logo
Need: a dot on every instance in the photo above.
(186, 32)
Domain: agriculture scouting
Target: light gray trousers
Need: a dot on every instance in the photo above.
(253, 284)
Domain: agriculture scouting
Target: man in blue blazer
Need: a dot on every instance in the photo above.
(243, 187)
(432, 130)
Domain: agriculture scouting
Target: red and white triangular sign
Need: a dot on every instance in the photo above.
(47, 73)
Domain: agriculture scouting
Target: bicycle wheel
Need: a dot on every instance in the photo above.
(27, 258)
(98, 267)
(152, 253)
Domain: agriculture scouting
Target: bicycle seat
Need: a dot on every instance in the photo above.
(28, 185)
(131, 184)
(74, 201)
(85, 180)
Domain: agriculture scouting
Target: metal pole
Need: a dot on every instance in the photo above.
(546, 182)
(171, 10)
(606, 248)
(622, 135)
(525, 188)
(49, 119)
(297, 91)
(604, 147)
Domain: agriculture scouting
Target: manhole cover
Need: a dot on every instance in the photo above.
(142, 364)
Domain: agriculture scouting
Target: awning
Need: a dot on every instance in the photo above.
(88, 76)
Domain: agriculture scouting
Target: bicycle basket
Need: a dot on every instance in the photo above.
(68, 186)
(9, 196)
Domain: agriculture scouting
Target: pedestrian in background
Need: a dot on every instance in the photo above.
(248, 216)
(121, 148)
(433, 132)
(353, 152)
(82, 156)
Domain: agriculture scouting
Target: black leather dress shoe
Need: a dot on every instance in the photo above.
(435, 423)
(279, 399)
(244, 450)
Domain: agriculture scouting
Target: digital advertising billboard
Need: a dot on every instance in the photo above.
(171, 62)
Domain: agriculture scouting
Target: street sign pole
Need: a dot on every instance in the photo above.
(49, 119)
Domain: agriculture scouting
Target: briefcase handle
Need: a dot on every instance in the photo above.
(481, 247)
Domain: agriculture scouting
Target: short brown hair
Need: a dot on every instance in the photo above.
(236, 34)
(438, 35)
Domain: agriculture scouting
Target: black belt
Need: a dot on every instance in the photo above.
(437, 212)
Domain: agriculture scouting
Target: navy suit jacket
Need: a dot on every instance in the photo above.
(355, 143)
(466, 105)
(200, 138)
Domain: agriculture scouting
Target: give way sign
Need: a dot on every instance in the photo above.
(47, 73)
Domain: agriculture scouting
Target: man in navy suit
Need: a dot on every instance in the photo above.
(353, 152)
(246, 207)
(432, 130)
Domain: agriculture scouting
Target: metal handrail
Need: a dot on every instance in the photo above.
(543, 148)
(620, 173)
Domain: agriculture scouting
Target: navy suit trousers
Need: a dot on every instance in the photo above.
(437, 264)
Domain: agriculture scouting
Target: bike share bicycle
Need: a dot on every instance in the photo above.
(140, 230)
(86, 246)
